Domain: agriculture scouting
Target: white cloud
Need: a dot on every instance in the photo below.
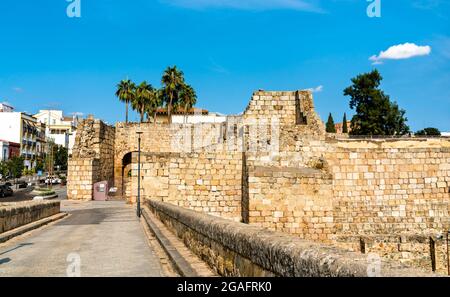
(18, 89)
(401, 51)
(304, 5)
(317, 89)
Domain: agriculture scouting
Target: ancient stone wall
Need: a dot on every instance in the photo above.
(161, 138)
(91, 160)
(236, 249)
(385, 187)
(291, 199)
(275, 167)
(14, 215)
(293, 108)
(426, 251)
(209, 182)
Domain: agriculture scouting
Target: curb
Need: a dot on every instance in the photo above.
(29, 227)
(181, 265)
(45, 197)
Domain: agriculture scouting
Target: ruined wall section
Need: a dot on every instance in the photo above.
(288, 185)
(91, 158)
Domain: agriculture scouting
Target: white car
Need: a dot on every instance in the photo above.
(52, 180)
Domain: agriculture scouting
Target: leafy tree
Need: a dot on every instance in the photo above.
(39, 165)
(173, 81)
(344, 124)
(61, 155)
(125, 92)
(375, 113)
(330, 127)
(155, 102)
(15, 166)
(188, 98)
(428, 132)
(142, 98)
(4, 168)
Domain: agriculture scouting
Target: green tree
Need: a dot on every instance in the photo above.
(344, 124)
(125, 92)
(330, 127)
(39, 165)
(142, 98)
(173, 81)
(4, 170)
(428, 132)
(155, 102)
(188, 98)
(375, 113)
(61, 155)
(15, 166)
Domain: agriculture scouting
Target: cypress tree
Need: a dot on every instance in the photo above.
(344, 124)
(330, 127)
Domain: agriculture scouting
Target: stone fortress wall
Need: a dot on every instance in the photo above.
(91, 159)
(275, 167)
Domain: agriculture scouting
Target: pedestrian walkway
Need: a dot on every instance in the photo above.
(97, 239)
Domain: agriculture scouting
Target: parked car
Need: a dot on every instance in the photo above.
(53, 180)
(5, 191)
(22, 184)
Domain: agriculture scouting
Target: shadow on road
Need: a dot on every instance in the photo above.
(4, 260)
(15, 248)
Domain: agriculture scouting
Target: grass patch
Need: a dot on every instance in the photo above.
(46, 193)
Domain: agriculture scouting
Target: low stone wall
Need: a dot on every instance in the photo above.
(14, 215)
(427, 251)
(236, 249)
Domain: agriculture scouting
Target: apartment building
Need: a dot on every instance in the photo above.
(24, 129)
(62, 129)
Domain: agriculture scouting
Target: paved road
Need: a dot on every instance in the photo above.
(106, 237)
(26, 194)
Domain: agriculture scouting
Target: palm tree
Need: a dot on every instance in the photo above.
(172, 81)
(188, 98)
(125, 93)
(156, 101)
(142, 99)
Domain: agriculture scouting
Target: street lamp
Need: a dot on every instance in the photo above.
(139, 133)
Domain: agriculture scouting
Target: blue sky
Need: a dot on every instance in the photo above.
(227, 49)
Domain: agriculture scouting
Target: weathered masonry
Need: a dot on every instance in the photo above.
(275, 167)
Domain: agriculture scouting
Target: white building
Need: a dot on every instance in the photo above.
(4, 150)
(445, 134)
(21, 128)
(4, 107)
(211, 117)
(60, 128)
(193, 116)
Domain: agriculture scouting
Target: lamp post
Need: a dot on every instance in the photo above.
(139, 175)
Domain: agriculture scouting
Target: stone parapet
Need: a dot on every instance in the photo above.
(236, 249)
(14, 215)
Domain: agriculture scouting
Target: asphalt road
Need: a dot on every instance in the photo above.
(97, 239)
(25, 194)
